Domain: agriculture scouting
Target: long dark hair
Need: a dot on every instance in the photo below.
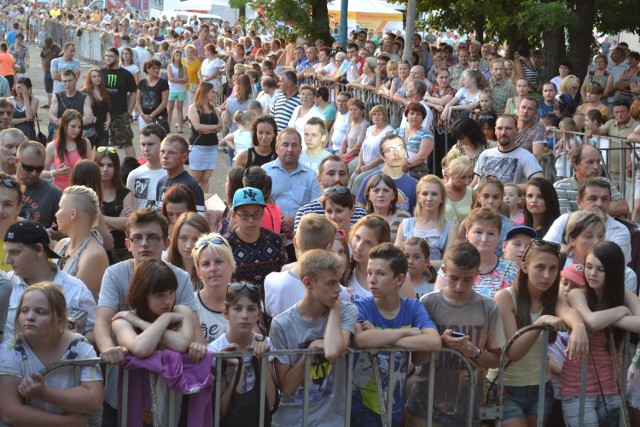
(612, 259)
(102, 88)
(550, 197)
(61, 135)
(521, 289)
(467, 127)
(87, 172)
(151, 276)
(254, 130)
(389, 182)
(116, 179)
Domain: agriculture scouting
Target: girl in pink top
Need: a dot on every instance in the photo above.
(67, 148)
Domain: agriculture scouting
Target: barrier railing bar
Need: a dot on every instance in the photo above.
(263, 387)
(350, 357)
(431, 388)
(543, 377)
(390, 387)
(218, 393)
(125, 398)
(623, 420)
(307, 386)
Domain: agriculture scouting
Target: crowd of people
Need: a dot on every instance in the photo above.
(342, 226)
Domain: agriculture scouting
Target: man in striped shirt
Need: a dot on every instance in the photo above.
(286, 100)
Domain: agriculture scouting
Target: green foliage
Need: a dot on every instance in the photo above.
(237, 4)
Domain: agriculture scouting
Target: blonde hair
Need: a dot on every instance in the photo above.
(432, 179)
(570, 80)
(459, 165)
(222, 249)
(57, 305)
(316, 261)
(244, 118)
(315, 232)
(86, 200)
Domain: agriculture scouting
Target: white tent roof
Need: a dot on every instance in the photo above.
(370, 6)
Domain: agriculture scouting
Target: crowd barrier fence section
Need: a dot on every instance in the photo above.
(487, 412)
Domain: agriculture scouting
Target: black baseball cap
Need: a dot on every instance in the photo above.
(30, 233)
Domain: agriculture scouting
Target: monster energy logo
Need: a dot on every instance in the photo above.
(112, 79)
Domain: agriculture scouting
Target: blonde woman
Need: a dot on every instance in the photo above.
(192, 65)
(177, 76)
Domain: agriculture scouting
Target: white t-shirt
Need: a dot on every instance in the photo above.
(213, 323)
(371, 145)
(143, 183)
(357, 291)
(515, 166)
(265, 100)
(340, 127)
(207, 68)
(298, 122)
(176, 87)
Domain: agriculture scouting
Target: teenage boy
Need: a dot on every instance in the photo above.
(387, 319)
(457, 308)
(284, 289)
(517, 242)
(319, 321)
(257, 251)
(143, 181)
(174, 151)
(315, 138)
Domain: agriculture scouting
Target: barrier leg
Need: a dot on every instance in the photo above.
(307, 385)
(347, 411)
(543, 379)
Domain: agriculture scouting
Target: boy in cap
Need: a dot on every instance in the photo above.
(27, 250)
(517, 242)
(257, 251)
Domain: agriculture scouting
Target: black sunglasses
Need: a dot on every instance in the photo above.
(28, 168)
(542, 242)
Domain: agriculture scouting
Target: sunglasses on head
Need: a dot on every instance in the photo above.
(112, 150)
(339, 190)
(9, 183)
(541, 242)
(211, 241)
(238, 286)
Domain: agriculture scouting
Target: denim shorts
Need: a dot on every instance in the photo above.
(48, 83)
(522, 402)
(594, 411)
(177, 96)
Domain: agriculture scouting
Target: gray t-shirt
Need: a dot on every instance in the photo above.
(113, 294)
(40, 202)
(327, 395)
(480, 319)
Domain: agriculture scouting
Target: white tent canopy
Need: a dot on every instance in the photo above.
(371, 14)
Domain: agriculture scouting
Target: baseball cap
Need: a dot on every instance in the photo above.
(31, 233)
(247, 196)
(521, 229)
(575, 273)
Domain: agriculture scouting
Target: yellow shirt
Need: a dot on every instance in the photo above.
(192, 71)
(3, 266)
(54, 12)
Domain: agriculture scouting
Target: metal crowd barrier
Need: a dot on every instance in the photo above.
(90, 46)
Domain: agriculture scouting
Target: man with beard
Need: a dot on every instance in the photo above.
(507, 162)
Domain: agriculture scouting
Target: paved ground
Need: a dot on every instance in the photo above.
(35, 73)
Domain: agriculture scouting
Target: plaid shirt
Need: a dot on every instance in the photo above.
(500, 92)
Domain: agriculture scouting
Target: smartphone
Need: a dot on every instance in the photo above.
(457, 334)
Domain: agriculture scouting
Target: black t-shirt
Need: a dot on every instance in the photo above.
(151, 96)
(120, 83)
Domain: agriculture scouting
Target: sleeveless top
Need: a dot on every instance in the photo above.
(255, 159)
(209, 139)
(437, 241)
(458, 211)
(76, 102)
(176, 87)
(28, 128)
(526, 371)
(114, 209)
(73, 157)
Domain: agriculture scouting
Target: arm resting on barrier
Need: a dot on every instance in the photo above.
(631, 323)
(290, 376)
(596, 320)
(14, 412)
(84, 398)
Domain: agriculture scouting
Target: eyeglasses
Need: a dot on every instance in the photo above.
(151, 238)
(237, 286)
(340, 234)
(394, 149)
(112, 150)
(246, 217)
(212, 241)
(339, 190)
(542, 242)
(30, 169)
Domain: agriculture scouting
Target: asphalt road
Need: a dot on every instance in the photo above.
(36, 74)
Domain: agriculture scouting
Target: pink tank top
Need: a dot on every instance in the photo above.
(72, 158)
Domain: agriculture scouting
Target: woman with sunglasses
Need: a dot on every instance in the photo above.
(608, 309)
(242, 309)
(213, 258)
(117, 201)
(25, 108)
(339, 206)
(154, 319)
(534, 299)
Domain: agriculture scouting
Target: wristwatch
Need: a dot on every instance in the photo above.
(478, 353)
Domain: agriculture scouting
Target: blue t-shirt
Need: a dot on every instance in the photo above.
(406, 191)
(412, 314)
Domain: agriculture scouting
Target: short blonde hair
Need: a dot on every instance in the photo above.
(86, 200)
(316, 261)
(459, 165)
(315, 232)
(223, 249)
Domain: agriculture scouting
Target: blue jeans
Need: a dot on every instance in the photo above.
(594, 411)
(522, 402)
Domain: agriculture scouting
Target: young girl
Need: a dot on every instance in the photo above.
(263, 150)
(489, 195)
(242, 309)
(242, 138)
(339, 206)
(369, 231)
(513, 198)
(154, 319)
(460, 197)
(484, 109)
(186, 232)
(117, 201)
(67, 148)
(593, 120)
(341, 248)
(466, 99)
(522, 90)
(533, 299)
(177, 76)
(488, 125)
(215, 265)
(430, 222)
(541, 205)
(607, 309)
(42, 337)
(421, 272)
(563, 146)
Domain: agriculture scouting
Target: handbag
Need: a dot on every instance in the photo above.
(40, 137)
